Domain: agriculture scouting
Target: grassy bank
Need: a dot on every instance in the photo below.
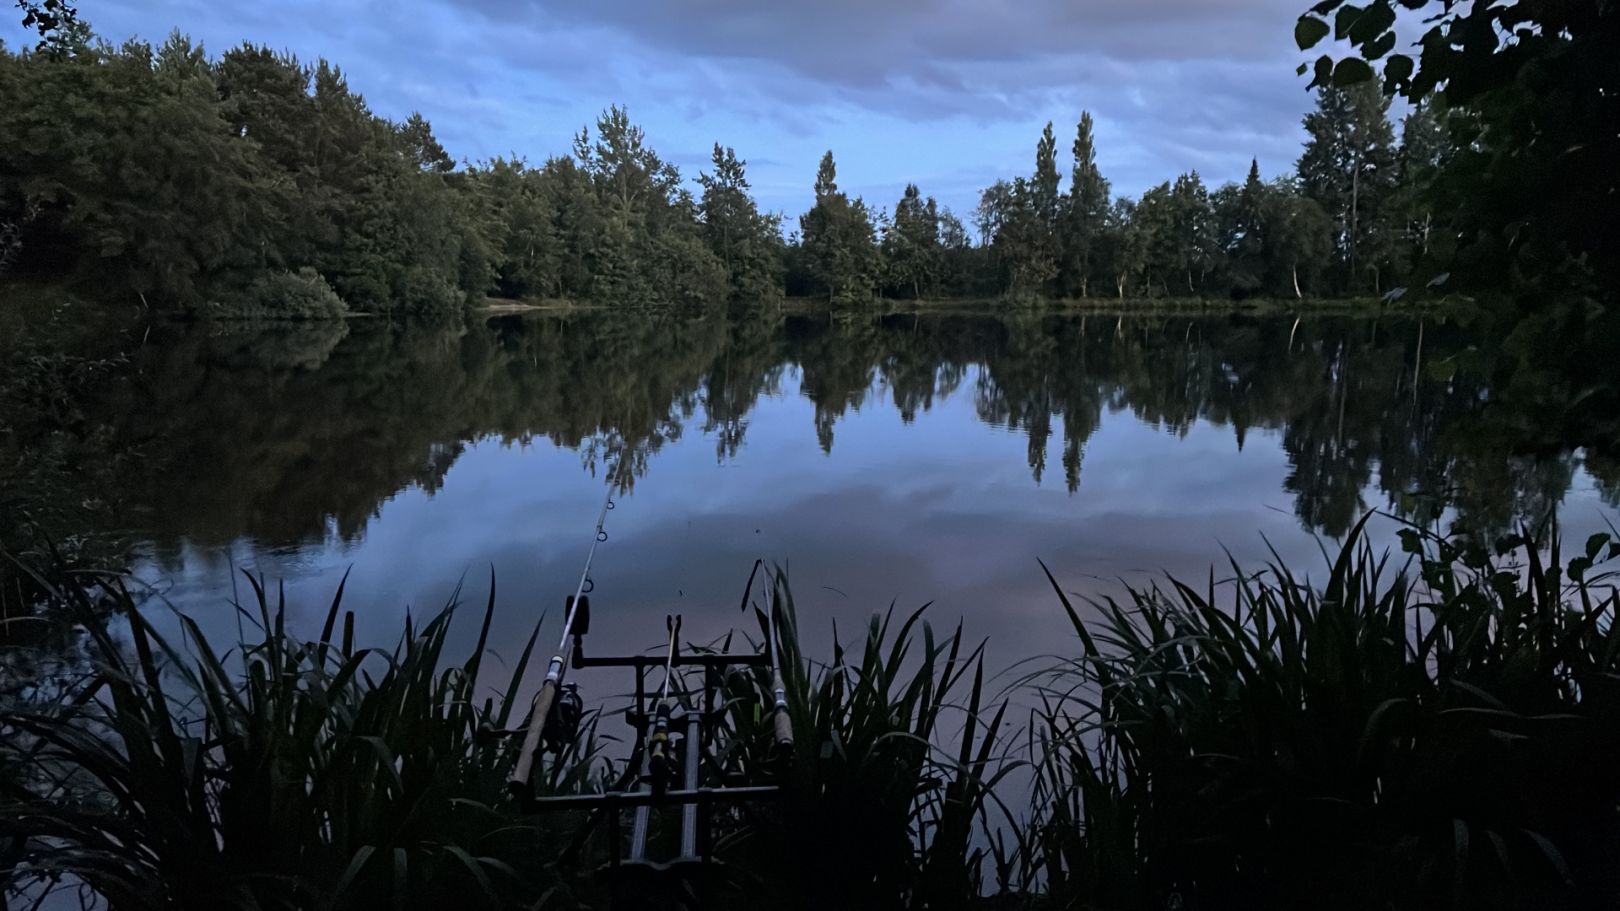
(1155, 306)
(1433, 729)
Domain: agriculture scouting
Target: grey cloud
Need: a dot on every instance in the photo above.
(920, 59)
(858, 42)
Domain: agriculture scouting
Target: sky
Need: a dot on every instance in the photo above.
(949, 94)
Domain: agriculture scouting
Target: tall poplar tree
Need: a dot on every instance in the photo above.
(1084, 213)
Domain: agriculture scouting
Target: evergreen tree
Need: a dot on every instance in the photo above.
(1026, 224)
(519, 222)
(1241, 213)
(422, 149)
(1044, 204)
(647, 247)
(748, 243)
(840, 241)
(1044, 195)
(1425, 152)
(911, 246)
(1348, 168)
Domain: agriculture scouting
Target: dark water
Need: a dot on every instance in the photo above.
(898, 459)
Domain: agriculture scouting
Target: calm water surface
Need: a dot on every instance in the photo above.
(897, 459)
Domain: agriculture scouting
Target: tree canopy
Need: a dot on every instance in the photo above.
(194, 183)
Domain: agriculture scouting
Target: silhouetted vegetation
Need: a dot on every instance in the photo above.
(292, 772)
(1430, 733)
(1399, 735)
(1418, 731)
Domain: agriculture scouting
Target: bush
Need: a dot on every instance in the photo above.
(686, 273)
(426, 293)
(303, 294)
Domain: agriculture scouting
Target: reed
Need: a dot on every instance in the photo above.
(287, 774)
(1437, 728)
(1438, 731)
(892, 775)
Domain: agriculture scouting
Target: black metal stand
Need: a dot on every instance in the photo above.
(699, 720)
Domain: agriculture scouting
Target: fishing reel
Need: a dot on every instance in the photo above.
(562, 722)
(662, 761)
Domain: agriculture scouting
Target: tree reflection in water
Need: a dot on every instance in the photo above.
(286, 435)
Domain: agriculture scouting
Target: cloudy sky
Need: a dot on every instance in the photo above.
(950, 94)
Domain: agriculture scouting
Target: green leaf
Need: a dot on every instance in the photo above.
(1300, 70)
(1397, 71)
(1578, 568)
(1324, 72)
(1373, 23)
(1308, 31)
(1350, 71)
(1594, 544)
(1345, 19)
(1411, 541)
(1326, 6)
(1379, 46)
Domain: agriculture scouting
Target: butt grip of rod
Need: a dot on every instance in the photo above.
(784, 723)
(660, 764)
(531, 737)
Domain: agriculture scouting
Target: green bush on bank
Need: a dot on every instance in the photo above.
(288, 295)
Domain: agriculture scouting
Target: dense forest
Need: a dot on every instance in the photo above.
(252, 183)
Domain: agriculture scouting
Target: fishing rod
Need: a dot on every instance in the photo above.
(657, 766)
(783, 722)
(658, 749)
(541, 708)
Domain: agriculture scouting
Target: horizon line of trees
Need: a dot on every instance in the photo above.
(193, 182)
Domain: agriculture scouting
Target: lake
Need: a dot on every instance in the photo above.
(898, 459)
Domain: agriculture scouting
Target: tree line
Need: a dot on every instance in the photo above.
(256, 184)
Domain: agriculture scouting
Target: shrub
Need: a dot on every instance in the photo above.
(426, 293)
(300, 295)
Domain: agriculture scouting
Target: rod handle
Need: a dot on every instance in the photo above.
(530, 750)
(784, 724)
